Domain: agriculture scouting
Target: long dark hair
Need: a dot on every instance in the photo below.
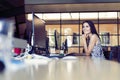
(92, 27)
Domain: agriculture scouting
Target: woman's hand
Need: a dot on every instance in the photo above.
(84, 36)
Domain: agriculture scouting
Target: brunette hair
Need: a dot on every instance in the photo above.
(92, 27)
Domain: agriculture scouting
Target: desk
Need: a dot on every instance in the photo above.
(84, 68)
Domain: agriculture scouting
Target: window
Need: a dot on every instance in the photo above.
(69, 27)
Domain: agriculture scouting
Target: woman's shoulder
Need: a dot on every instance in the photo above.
(94, 36)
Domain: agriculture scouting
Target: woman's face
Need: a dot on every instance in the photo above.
(86, 28)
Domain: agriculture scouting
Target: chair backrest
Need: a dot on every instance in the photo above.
(106, 52)
(118, 54)
(114, 50)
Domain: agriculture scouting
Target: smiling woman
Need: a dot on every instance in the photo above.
(91, 40)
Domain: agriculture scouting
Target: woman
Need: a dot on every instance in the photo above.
(91, 40)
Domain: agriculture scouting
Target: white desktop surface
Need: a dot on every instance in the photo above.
(83, 68)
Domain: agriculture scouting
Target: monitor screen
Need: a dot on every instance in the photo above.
(57, 39)
(35, 33)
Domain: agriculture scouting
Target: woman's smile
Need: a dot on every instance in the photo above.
(86, 28)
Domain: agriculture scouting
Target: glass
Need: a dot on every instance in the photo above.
(65, 16)
(69, 23)
(69, 29)
(111, 28)
(108, 28)
(106, 32)
(73, 50)
(114, 40)
(107, 15)
(51, 41)
(51, 28)
(89, 16)
(51, 16)
(69, 40)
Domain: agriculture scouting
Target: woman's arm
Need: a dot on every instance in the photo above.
(91, 45)
(84, 37)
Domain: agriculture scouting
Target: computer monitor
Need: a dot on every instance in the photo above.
(57, 39)
(35, 32)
